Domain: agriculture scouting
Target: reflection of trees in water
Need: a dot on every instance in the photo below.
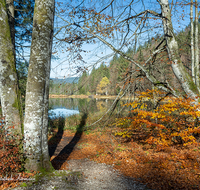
(87, 105)
(93, 105)
(83, 105)
(69, 103)
(102, 106)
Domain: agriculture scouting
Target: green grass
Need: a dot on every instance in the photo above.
(23, 185)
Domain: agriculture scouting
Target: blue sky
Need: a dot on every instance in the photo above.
(65, 66)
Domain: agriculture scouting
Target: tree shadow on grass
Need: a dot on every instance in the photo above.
(56, 138)
(67, 150)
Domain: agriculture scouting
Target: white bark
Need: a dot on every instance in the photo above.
(11, 18)
(196, 63)
(45, 151)
(36, 105)
(10, 11)
(172, 47)
(8, 76)
(192, 40)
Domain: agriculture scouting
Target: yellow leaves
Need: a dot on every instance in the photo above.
(123, 134)
(122, 122)
(103, 85)
(172, 122)
(174, 134)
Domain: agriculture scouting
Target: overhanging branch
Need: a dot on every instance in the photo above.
(164, 86)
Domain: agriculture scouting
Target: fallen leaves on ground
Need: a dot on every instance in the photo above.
(173, 168)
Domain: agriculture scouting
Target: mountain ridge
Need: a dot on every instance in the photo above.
(65, 80)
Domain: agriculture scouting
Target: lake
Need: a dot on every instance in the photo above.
(70, 106)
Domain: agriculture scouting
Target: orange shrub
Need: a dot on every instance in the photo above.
(172, 121)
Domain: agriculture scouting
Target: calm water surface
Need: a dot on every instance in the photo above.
(70, 106)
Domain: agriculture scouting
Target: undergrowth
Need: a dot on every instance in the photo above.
(11, 158)
(173, 121)
(11, 155)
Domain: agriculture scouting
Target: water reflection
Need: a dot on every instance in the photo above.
(57, 112)
(70, 106)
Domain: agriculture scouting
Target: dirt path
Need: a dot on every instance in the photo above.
(83, 173)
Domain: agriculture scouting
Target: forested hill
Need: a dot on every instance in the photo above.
(108, 79)
(65, 80)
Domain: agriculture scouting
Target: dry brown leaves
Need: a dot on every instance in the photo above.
(173, 168)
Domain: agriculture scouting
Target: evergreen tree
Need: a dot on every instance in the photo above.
(23, 24)
(83, 83)
(140, 56)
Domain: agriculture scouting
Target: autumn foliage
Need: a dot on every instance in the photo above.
(11, 157)
(102, 87)
(169, 122)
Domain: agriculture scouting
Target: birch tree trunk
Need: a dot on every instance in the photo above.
(36, 104)
(180, 72)
(10, 100)
(196, 62)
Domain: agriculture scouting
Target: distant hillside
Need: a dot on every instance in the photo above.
(66, 80)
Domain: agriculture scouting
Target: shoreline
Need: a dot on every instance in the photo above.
(132, 98)
(82, 96)
(88, 96)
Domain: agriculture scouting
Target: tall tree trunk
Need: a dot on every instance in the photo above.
(192, 40)
(10, 99)
(44, 143)
(36, 104)
(196, 63)
(11, 19)
(179, 70)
